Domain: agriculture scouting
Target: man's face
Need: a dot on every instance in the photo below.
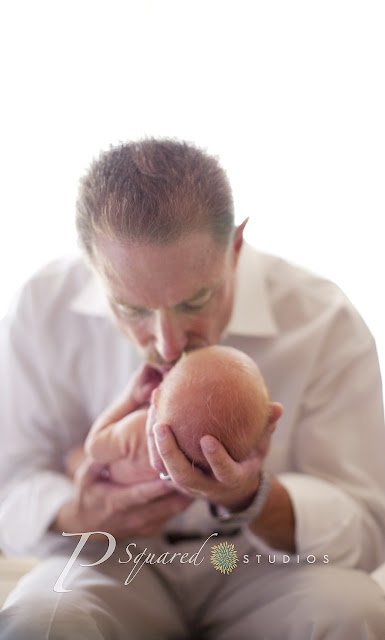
(169, 298)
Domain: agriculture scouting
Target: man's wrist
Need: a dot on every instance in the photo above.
(252, 511)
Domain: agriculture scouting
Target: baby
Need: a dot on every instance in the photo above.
(214, 390)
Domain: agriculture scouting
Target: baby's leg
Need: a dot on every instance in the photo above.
(120, 439)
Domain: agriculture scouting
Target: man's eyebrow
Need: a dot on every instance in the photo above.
(202, 292)
(199, 294)
(127, 305)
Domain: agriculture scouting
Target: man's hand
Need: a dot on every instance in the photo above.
(100, 505)
(232, 484)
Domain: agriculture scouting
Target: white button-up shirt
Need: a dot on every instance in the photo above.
(63, 362)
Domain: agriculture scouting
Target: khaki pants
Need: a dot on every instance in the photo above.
(254, 601)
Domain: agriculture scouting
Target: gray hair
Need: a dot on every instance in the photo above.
(154, 191)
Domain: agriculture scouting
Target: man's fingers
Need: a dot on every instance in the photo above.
(151, 419)
(89, 472)
(155, 459)
(92, 474)
(173, 458)
(150, 522)
(161, 510)
(124, 498)
(225, 470)
(181, 471)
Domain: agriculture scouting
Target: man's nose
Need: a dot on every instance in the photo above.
(170, 337)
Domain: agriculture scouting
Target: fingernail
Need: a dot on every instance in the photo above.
(209, 445)
(160, 431)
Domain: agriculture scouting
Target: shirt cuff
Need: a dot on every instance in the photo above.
(29, 508)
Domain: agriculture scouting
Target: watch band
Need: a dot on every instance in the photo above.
(253, 510)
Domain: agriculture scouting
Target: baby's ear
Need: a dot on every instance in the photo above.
(275, 412)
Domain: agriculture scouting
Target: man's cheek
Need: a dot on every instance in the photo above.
(139, 337)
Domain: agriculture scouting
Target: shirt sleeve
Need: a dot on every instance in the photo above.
(337, 478)
(32, 482)
(340, 527)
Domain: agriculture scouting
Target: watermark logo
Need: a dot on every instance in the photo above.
(224, 557)
(136, 561)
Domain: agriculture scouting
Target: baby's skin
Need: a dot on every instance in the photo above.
(217, 391)
(214, 390)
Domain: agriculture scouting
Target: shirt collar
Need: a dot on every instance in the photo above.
(252, 314)
(90, 300)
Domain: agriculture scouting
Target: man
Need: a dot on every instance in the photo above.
(156, 221)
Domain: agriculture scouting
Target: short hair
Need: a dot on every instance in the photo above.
(154, 190)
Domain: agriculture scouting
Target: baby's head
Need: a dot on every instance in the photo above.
(218, 391)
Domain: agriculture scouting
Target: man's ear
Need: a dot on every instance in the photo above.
(275, 412)
(238, 240)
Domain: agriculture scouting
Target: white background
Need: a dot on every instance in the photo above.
(289, 94)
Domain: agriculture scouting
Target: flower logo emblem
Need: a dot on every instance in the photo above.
(224, 557)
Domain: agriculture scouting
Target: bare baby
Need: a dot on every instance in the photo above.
(214, 390)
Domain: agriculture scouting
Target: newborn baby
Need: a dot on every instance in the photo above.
(213, 390)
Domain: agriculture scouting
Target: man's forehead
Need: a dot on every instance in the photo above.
(136, 275)
(202, 244)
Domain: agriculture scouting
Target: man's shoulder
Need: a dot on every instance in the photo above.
(71, 268)
(286, 280)
(53, 285)
(298, 299)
